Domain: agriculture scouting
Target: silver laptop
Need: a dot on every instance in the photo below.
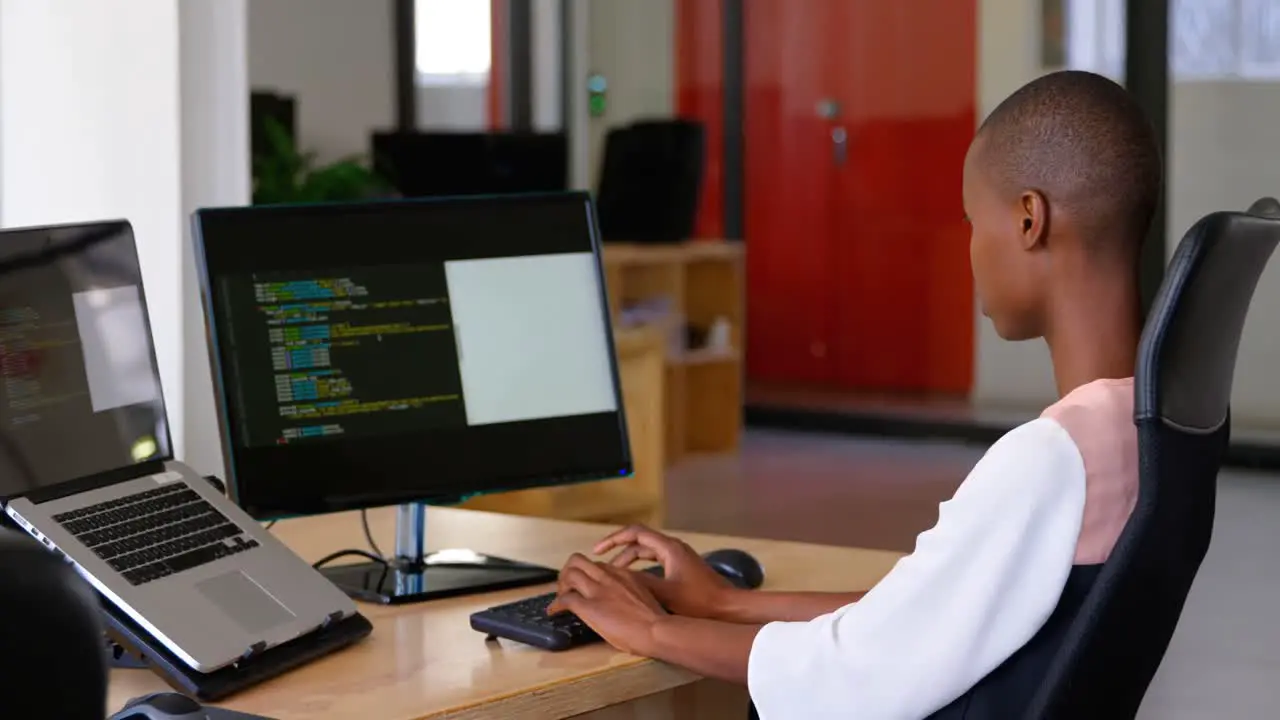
(86, 465)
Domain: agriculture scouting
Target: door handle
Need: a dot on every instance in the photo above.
(839, 144)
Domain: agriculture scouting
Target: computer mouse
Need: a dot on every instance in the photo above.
(162, 706)
(737, 566)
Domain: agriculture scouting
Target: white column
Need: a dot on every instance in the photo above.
(578, 124)
(215, 172)
(548, 73)
(108, 109)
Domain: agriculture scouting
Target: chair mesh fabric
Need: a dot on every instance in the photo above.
(1123, 630)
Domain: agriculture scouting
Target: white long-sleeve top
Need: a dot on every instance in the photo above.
(980, 584)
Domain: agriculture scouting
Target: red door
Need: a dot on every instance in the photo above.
(906, 315)
(791, 65)
(858, 116)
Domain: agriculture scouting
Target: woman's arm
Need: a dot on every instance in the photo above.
(689, 587)
(710, 648)
(759, 608)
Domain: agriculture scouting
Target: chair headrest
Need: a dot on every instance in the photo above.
(1267, 207)
(1187, 357)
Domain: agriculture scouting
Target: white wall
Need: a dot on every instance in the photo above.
(1008, 58)
(1223, 142)
(337, 57)
(214, 45)
(633, 45)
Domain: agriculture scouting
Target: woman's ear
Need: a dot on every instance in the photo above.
(1034, 219)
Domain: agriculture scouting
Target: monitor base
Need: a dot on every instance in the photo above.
(443, 574)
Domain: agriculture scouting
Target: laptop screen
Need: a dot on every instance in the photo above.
(79, 385)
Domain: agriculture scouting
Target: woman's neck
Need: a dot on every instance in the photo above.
(1093, 333)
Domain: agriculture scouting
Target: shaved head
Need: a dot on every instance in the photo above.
(1082, 142)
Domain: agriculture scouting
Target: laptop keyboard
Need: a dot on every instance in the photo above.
(156, 533)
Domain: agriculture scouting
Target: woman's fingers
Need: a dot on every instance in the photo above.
(632, 553)
(632, 534)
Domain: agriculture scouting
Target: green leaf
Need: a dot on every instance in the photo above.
(286, 175)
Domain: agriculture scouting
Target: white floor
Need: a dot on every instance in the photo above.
(1224, 662)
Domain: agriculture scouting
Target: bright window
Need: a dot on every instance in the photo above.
(1209, 39)
(453, 39)
(1095, 36)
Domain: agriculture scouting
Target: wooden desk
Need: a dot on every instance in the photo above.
(424, 661)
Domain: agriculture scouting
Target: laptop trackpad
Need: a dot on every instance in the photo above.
(244, 601)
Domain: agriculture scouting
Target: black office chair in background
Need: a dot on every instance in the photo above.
(650, 181)
(52, 661)
(1182, 384)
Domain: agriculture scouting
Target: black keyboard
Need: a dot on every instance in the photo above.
(526, 621)
(157, 533)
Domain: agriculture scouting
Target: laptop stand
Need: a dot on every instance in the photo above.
(131, 646)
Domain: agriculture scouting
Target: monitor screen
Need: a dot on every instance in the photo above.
(378, 353)
(79, 385)
(431, 164)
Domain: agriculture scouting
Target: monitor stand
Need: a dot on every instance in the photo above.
(415, 575)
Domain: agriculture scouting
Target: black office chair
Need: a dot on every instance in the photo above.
(52, 663)
(1182, 384)
(650, 181)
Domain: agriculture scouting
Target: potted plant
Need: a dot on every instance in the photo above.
(284, 174)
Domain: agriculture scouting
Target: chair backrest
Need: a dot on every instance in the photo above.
(651, 180)
(1182, 386)
(49, 628)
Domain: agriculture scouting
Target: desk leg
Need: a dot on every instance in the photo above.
(705, 700)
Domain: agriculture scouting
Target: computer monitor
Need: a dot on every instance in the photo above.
(80, 392)
(435, 164)
(411, 351)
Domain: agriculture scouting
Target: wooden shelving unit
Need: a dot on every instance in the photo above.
(700, 285)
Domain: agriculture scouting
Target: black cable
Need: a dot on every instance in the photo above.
(368, 536)
(348, 553)
(270, 525)
(375, 556)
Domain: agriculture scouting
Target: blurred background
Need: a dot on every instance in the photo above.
(778, 184)
(829, 138)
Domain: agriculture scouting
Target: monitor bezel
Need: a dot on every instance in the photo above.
(228, 425)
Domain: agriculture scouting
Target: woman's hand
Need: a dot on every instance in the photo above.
(612, 601)
(688, 587)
